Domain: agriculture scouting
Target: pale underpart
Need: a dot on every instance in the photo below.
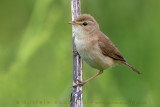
(90, 52)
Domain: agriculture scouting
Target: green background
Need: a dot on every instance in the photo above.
(36, 53)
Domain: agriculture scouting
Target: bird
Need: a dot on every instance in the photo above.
(94, 47)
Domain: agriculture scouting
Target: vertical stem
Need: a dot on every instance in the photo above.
(76, 96)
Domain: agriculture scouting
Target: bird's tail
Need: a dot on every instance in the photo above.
(134, 69)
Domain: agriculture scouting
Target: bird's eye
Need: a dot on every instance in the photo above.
(85, 23)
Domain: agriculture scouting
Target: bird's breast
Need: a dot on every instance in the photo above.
(90, 52)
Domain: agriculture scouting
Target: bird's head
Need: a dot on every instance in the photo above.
(85, 23)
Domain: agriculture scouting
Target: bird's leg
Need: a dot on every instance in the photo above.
(81, 83)
(75, 53)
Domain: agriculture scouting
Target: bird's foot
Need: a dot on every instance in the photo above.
(81, 83)
(75, 53)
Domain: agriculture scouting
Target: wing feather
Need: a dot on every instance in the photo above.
(109, 49)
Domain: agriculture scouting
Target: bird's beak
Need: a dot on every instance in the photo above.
(72, 22)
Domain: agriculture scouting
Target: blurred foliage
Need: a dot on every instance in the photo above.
(36, 53)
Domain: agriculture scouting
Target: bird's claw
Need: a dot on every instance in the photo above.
(81, 83)
(75, 53)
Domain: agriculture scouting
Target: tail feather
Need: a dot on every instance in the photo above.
(134, 69)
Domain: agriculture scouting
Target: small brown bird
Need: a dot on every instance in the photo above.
(95, 47)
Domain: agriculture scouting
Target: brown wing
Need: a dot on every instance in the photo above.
(108, 48)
